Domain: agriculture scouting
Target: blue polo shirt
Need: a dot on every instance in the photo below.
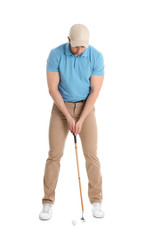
(75, 72)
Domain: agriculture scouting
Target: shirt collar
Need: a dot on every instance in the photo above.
(68, 52)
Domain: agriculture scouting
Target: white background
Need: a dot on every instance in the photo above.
(29, 30)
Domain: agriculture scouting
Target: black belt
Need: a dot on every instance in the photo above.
(79, 101)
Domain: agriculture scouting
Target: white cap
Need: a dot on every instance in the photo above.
(79, 35)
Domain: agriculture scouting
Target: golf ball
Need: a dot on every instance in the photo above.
(74, 222)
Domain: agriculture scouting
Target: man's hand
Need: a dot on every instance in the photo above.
(74, 126)
(78, 127)
(71, 124)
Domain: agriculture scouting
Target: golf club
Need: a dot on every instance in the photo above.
(75, 141)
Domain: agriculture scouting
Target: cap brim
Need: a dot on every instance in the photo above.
(79, 43)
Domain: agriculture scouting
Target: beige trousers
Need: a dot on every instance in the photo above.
(58, 131)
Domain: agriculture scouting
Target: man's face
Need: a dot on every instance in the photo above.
(76, 50)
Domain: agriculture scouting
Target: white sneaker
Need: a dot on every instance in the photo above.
(96, 210)
(46, 212)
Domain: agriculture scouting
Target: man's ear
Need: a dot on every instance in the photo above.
(68, 39)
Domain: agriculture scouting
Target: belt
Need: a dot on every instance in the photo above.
(80, 101)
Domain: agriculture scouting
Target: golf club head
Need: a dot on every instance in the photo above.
(83, 219)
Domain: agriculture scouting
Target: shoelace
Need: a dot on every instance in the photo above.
(46, 208)
(97, 206)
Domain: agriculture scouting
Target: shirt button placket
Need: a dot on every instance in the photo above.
(75, 61)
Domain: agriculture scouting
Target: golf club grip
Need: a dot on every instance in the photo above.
(75, 139)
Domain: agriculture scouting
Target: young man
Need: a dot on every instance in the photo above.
(75, 72)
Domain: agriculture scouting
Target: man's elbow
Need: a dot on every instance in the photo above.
(94, 92)
(52, 92)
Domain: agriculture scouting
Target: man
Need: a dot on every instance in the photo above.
(74, 75)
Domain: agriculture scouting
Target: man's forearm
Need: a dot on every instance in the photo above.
(88, 105)
(59, 102)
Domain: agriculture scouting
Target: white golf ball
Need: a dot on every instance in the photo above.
(74, 222)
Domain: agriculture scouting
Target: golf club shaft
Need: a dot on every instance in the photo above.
(75, 140)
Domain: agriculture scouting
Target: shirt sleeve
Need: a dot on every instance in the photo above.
(52, 62)
(98, 68)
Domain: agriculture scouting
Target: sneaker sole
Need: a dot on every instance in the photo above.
(45, 219)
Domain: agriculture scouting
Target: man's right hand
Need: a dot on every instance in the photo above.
(71, 124)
